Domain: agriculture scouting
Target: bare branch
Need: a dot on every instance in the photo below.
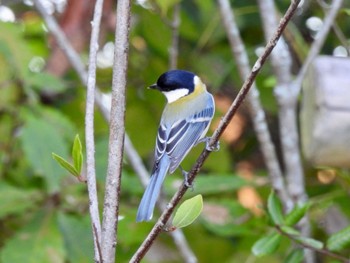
(222, 126)
(89, 131)
(174, 48)
(257, 113)
(116, 133)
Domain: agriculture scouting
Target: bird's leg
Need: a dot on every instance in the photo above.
(209, 148)
(185, 175)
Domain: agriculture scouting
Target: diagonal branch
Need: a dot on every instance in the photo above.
(158, 227)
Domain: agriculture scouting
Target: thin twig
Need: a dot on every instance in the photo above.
(174, 48)
(321, 251)
(89, 130)
(218, 132)
(116, 133)
(257, 113)
(98, 245)
(130, 152)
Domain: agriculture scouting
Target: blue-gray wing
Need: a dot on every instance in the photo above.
(185, 134)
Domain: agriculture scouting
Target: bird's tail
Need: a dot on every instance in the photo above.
(150, 196)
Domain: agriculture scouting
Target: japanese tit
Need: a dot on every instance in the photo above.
(184, 123)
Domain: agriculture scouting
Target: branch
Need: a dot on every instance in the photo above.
(89, 131)
(305, 245)
(117, 132)
(174, 48)
(218, 132)
(256, 111)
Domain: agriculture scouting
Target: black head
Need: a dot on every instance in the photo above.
(175, 79)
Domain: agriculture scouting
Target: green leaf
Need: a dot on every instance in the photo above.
(15, 200)
(46, 82)
(39, 241)
(77, 154)
(66, 165)
(76, 232)
(39, 139)
(267, 245)
(188, 211)
(296, 214)
(274, 208)
(339, 240)
(219, 183)
(296, 256)
(290, 231)
(310, 242)
(165, 5)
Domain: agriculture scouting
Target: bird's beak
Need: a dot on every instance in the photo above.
(154, 86)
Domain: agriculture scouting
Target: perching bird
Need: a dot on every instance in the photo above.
(184, 123)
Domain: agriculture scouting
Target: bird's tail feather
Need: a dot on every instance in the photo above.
(150, 196)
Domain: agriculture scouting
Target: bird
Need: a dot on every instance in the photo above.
(184, 123)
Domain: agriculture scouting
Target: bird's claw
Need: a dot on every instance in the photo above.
(212, 148)
(208, 147)
(186, 183)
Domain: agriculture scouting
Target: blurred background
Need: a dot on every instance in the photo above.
(44, 210)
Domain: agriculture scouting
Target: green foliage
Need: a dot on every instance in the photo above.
(310, 242)
(295, 256)
(296, 214)
(339, 240)
(218, 183)
(274, 208)
(37, 142)
(65, 164)
(14, 201)
(77, 155)
(44, 212)
(267, 245)
(188, 211)
(79, 246)
(39, 241)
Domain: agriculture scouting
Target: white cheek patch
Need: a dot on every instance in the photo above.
(196, 81)
(198, 84)
(174, 95)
